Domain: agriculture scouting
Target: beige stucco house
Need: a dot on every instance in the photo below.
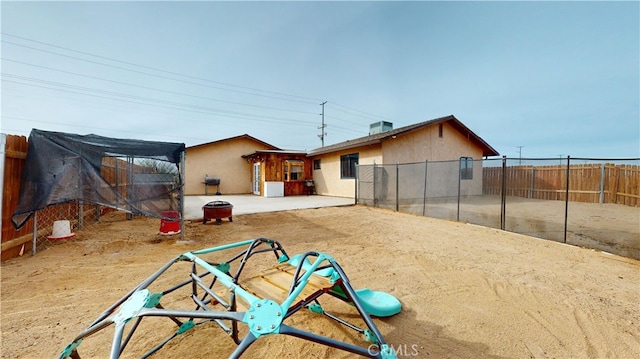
(440, 139)
(247, 165)
(222, 160)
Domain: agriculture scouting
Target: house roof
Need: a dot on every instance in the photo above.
(487, 150)
(272, 147)
(281, 152)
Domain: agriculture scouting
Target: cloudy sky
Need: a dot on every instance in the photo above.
(533, 79)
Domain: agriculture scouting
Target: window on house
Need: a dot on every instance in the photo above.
(440, 130)
(293, 170)
(316, 164)
(466, 168)
(348, 165)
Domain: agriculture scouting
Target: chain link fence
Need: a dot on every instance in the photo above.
(55, 223)
(143, 185)
(592, 203)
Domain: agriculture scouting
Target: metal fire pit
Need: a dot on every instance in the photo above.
(217, 210)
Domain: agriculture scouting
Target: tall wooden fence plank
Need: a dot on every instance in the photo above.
(14, 161)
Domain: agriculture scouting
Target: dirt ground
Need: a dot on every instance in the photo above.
(467, 291)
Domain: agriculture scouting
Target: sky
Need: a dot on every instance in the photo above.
(533, 79)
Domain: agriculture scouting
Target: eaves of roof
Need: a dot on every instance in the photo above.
(270, 146)
(280, 152)
(487, 150)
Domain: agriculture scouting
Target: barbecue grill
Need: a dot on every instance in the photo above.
(211, 181)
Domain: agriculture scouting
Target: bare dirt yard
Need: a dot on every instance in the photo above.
(467, 291)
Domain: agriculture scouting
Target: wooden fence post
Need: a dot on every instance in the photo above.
(424, 194)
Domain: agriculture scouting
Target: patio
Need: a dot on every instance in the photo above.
(248, 204)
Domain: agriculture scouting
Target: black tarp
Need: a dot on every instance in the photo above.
(63, 167)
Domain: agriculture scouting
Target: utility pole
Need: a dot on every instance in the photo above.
(520, 155)
(322, 133)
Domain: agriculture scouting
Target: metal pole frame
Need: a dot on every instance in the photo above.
(566, 200)
(459, 184)
(375, 200)
(503, 194)
(140, 303)
(356, 183)
(34, 238)
(181, 171)
(80, 195)
(602, 177)
(397, 187)
(129, 188)
(532, 185)
(424, 194)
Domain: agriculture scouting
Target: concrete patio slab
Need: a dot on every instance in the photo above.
(247, 204)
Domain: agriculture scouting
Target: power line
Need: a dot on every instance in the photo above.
(171, 105)
(155, 89)
(144, 66)
(159, 76)
(156, 103)
(361, 113)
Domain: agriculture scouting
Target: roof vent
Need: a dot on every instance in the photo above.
(380, 127)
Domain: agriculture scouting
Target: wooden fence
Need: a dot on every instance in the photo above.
(590, 183)
(15, 154)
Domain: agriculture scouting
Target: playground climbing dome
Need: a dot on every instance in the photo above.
(246, 306)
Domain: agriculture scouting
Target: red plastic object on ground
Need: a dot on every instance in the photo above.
(172, 225)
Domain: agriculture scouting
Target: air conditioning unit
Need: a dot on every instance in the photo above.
(380, 127)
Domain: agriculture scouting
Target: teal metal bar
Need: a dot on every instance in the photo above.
(304, 280)
(224, 278)
(221, 248)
